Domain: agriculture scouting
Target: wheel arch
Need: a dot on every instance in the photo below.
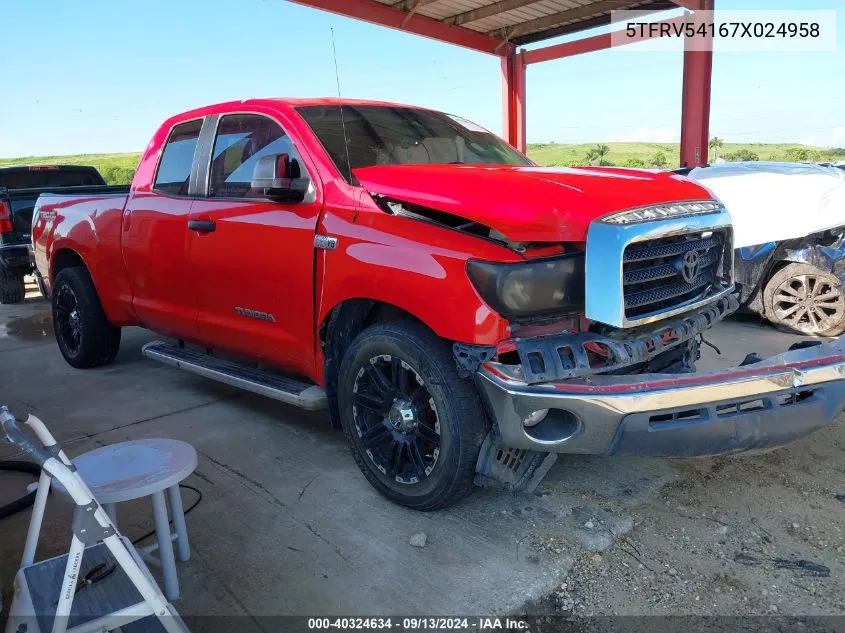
(339, 328)
(65, 258)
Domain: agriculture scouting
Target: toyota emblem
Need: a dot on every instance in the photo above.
(689, 270)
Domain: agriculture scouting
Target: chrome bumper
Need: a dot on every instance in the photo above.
(757, 406)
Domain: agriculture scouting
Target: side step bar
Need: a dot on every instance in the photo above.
(301, 394)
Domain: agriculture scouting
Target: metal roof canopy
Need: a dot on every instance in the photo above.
(499, 27)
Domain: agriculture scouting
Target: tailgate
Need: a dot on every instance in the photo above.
(21, 209)
(22, 203)
(22, 218)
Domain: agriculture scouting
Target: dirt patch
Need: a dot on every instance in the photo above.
(732, 536)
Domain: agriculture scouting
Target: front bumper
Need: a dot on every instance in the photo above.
(758, 406)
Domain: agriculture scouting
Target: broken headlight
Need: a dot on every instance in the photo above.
(552, 285)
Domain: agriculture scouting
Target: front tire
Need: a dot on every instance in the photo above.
(86, 338)
(802, 299)
(12, 287)
(414, 425)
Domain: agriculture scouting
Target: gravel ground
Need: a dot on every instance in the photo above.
(756, 535)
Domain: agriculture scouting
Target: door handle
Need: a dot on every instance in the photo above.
(202, 226)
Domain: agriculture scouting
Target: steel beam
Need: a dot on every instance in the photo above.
(490, 10)
(586, 45)
(548, 21)
(513, 100)
(695, 104)
(384, 15)
(585, 24)
(408, 5)
(691, 5)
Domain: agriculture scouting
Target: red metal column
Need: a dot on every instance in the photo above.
(695, 107)
(513, 99)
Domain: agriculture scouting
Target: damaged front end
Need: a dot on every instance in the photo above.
(523, 443)
(759, 405)
(612, 351)
(627, 384)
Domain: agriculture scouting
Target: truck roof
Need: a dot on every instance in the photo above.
(288, 102)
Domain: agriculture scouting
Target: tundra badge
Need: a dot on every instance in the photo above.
(325, 242)
(255, 314)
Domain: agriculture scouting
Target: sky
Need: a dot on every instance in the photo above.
(99, 76)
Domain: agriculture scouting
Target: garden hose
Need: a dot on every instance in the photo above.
(27, 500)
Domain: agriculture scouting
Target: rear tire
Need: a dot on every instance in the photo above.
(12, 287)
(86, 338)
(802, 299)
(414, 425)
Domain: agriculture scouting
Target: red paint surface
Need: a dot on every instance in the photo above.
(695, 103)
(150, 270)
(528, 204)
(514, 85)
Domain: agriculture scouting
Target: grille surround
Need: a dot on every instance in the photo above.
(655, 277)
(605, 267)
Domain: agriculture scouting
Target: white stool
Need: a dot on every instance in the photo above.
(144, 468)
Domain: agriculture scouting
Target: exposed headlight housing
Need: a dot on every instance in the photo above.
(550, 285)
(663, 212)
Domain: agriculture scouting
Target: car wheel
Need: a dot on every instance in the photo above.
(84, 334)
(12, 287)
(414, 425)
(803, 299)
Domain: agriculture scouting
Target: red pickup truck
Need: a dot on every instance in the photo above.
(460, 311)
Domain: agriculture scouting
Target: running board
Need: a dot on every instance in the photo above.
(301, 394)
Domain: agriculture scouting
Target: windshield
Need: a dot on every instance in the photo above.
(395, 135)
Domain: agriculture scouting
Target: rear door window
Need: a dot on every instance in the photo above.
(174, 169)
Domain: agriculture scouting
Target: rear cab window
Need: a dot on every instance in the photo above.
(174, 169)
(37, 176)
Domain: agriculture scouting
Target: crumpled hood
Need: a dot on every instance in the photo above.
(527, 203)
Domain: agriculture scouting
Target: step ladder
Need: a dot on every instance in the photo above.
(60, 594)
(289, 390)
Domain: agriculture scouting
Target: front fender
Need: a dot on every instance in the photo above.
(416, 267)
(827, 257)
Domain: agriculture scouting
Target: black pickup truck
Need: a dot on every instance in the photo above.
(20, 187)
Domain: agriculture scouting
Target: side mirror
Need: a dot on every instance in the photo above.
(280, 178)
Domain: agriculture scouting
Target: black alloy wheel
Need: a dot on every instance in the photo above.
(85, 336)
(396, 419)
(68, 320)
(414, 424)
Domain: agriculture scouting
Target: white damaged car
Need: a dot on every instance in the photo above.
(789, 223)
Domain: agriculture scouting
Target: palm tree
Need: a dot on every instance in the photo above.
(597, 154)
(602, 150)
(715, 145)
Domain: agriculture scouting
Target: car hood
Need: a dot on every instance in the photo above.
(528, 203)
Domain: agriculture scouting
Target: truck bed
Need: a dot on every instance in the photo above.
(22, 202)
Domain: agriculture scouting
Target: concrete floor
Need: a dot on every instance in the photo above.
(288, 525)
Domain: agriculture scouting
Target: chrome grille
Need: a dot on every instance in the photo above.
(665, 273)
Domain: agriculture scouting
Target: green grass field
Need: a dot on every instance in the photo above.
(118, 168)
(622, 153)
